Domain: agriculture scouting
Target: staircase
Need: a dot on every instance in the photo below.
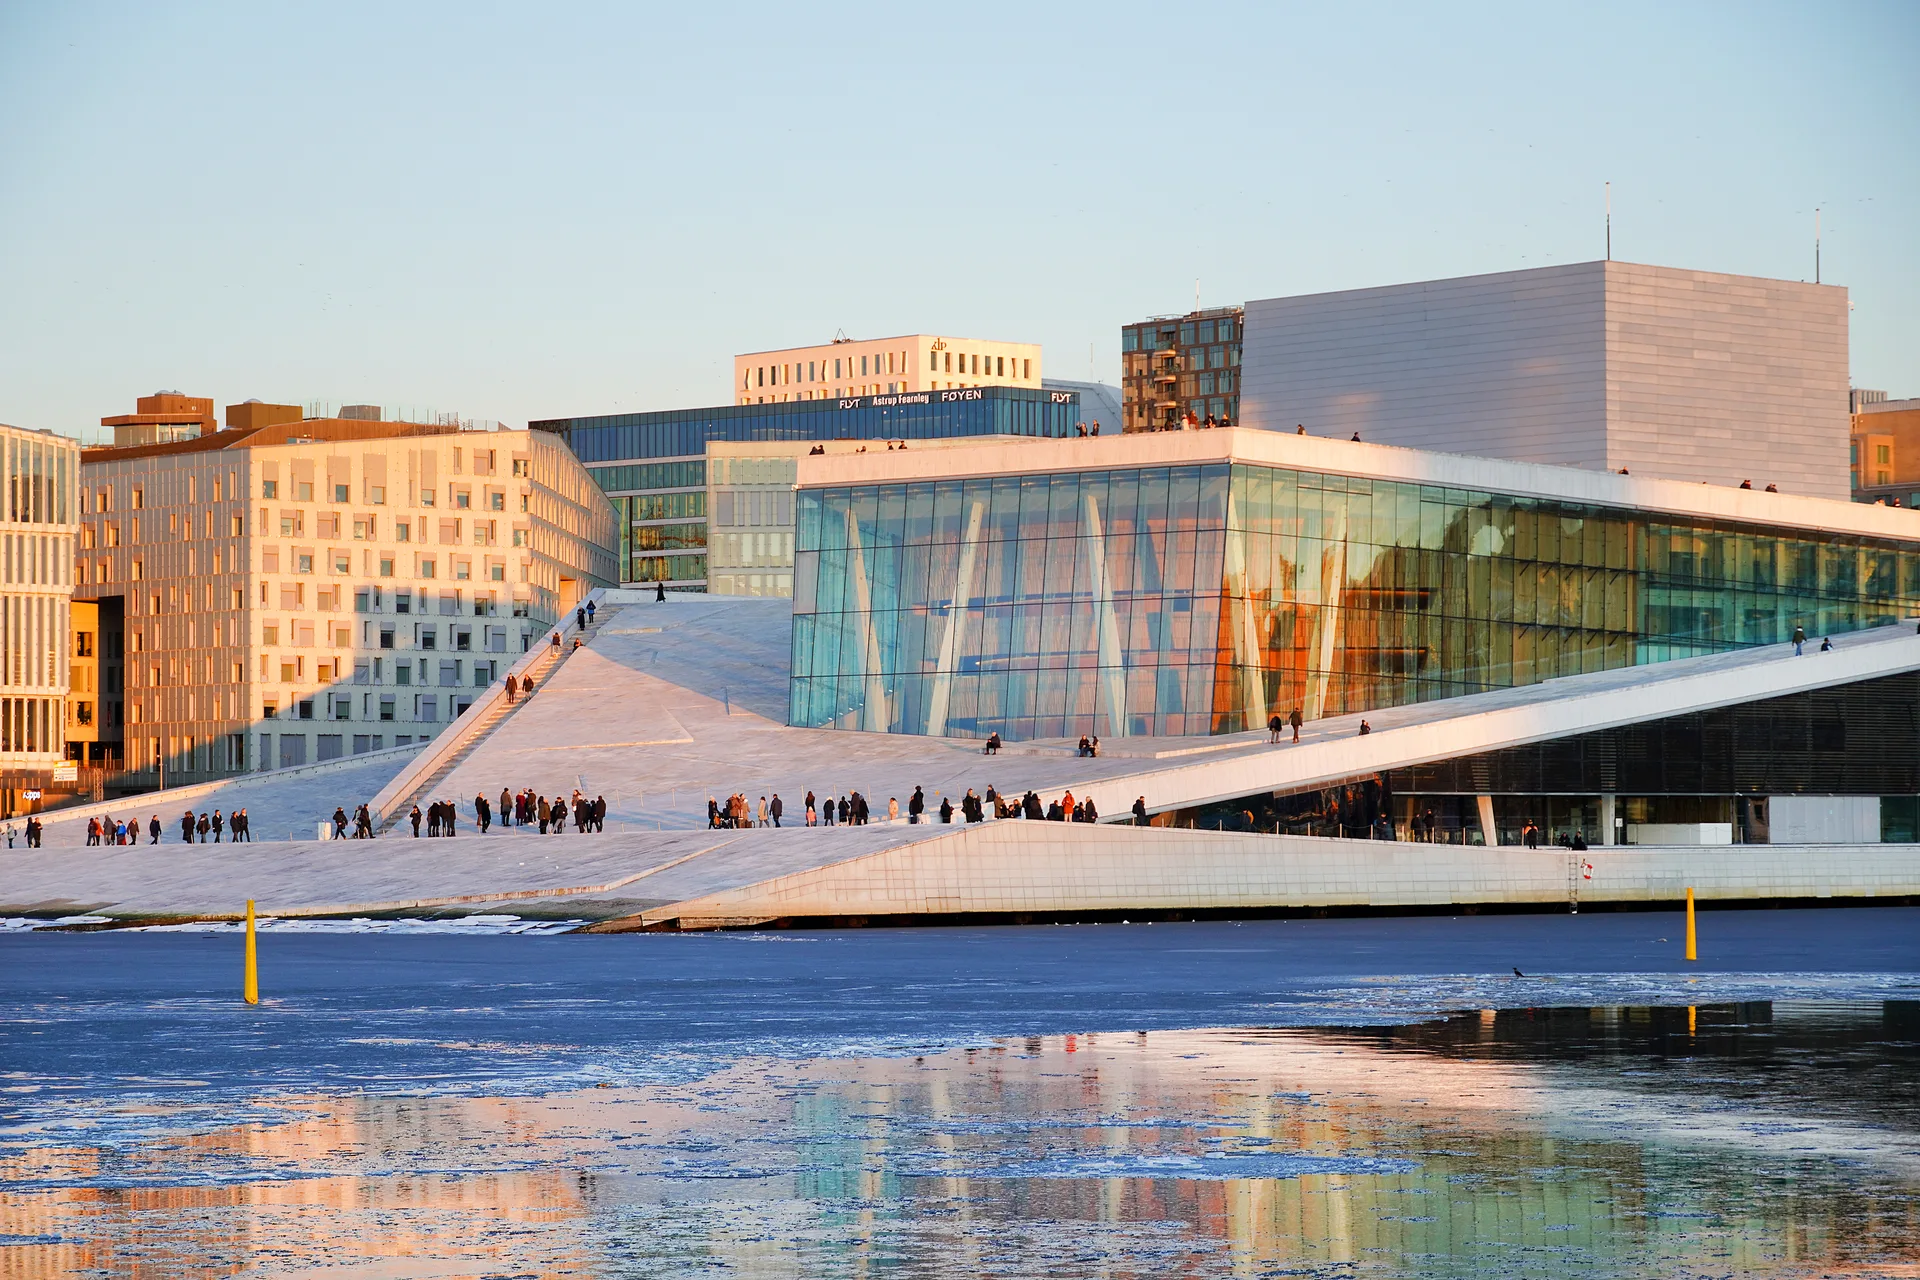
(476, 731)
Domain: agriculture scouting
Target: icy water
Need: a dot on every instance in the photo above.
(1301, 1098)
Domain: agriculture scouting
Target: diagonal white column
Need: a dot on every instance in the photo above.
(1106, 625)
(941, 696)
(873, 710)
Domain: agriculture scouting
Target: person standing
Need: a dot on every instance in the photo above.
(414, 817)
(579, 619)
(1273, 727)
(893, 809)
(506, 807)
(219, 824)
(153, 829)
(916, 806)
(660, 591)
(482, 812)
(946, 810)
(243, 828)
(203, 826)
(1799, 638)
(186, 827)
(590, 612)
(812, 816)
(775, 809)
(1140, 811)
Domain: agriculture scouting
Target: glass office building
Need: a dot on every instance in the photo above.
(1204, 597)
(653, 465)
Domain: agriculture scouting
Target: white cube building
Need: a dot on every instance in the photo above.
(1685, 375)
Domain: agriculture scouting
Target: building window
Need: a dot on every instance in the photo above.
(302, 491)
(269, 488)
(340, 493)
(377, 494)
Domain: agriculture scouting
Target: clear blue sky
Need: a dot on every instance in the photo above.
(528, 211)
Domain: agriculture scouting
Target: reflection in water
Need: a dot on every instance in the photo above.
(1777, 1140)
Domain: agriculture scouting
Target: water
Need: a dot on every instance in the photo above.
(1314, 1098)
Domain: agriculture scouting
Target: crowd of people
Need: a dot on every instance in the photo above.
(526, 808)
(854, 809)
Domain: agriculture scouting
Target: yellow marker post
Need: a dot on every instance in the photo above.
(1691, 1024)
(1693, 951)
(250, 989)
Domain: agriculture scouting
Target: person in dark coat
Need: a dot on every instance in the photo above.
(414, 817)
(186, 827)
(599, 813)
(219, 826)
(916, 806)
(1296, 720)
(153, 830)
(1274, 724)
(1140, 812)
(946, 809)
(660, 592)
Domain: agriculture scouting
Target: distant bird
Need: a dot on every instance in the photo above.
(1517, 973)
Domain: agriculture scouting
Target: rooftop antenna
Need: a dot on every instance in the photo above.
(1816, 246)
(1609, 222)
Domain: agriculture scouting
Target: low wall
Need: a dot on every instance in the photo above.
(1039, 868)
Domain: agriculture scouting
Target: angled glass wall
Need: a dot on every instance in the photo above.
(1202, 599)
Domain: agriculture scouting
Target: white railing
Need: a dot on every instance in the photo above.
(466, 725)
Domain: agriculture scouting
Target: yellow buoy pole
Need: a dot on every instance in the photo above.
(1692, 1025)
(1693, 951)
(250, 990)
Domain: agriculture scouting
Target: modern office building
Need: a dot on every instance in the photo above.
(654, 465)
(161, 418)
(1884, 453)
(1198, 583)
(1608, 366)
(1172, 366)
(40, 471)
(1100, 402)
(848, 369)
(288, 592)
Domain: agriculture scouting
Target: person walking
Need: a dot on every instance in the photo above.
(775, 809)
(1273, 727)
(554, 644)
(590, 612)
(512, 686)
(186, 827)
(219, 825)
(1140, 811)
(153, 829)
(93, 831)
(660, 591)
(579, 619)
(1296, 720)
(1799, 638)
(203, 826)
(362, 823)
(246, 827)
(482, 813)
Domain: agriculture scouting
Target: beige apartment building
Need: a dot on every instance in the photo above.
(39, 471)
(846, 368)
(293, 592)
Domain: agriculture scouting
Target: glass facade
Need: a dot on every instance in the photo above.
(659, 469)
(1204, 598)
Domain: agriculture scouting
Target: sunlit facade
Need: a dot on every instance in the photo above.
(1201, 582)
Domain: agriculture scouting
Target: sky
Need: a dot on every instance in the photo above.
(526, 211)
